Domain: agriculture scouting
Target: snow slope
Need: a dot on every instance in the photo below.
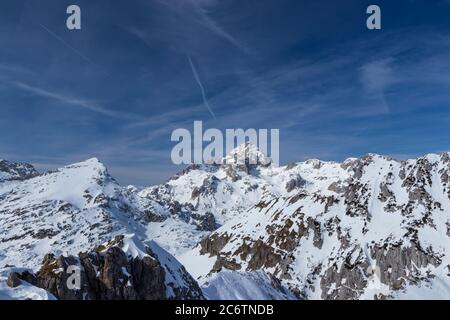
(258, 285)
(65, 211)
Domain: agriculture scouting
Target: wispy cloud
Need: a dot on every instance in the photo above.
(212, 25)
(327, 93)
(377, 75)
(198, 9)
(202, 88)
(77, 52)
(164, 118)
(74, 101)
(14, 69)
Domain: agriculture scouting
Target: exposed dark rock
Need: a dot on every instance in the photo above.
(208, 186)
(107, 273)
(13, 280)
(185, 171)
(291, 165)
(214, 244)
(357, 199)
(222, 262)
(315, 226)
(344, 282)
(385, 193)
(150, 216)
(45, 233)
(17, 171)
(205, 222)
(337, 187)
(397, 266)
(398, 263)
(232, 174)
(262, 255)
(295, 183)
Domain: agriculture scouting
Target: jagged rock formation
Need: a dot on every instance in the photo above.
(116, 270)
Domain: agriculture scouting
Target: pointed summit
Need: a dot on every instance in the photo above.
(247, 153)
(89, 164)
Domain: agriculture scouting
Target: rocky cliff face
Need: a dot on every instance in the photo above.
(116, 270)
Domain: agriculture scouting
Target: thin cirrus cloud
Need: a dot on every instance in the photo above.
(376, 77)
(187, 27)
(196, 12)
(73, 101)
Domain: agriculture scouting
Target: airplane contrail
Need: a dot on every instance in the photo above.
(202, 89)
(82, 56)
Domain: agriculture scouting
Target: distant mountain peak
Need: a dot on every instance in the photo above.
(16, 171)
(91, 166)
(92, 162)
(247, 153)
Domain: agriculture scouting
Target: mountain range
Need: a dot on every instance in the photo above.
(367, 228)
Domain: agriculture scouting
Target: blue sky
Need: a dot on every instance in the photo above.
(117, 88)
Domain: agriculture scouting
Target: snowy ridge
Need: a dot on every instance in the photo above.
(65, 212)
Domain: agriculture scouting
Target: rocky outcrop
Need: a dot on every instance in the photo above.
(396, 266)
(403, 264)
(117, 270)
(205, 222)
(295, 183)
(346, 282)
(14, 280)
(16, 171)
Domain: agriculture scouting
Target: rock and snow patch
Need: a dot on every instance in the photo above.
(21, 290)
(10, 171)
(120, 269)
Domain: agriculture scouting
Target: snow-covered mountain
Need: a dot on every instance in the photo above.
(65, 211)
(72, 210)
(366, 228)
(202, 198)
